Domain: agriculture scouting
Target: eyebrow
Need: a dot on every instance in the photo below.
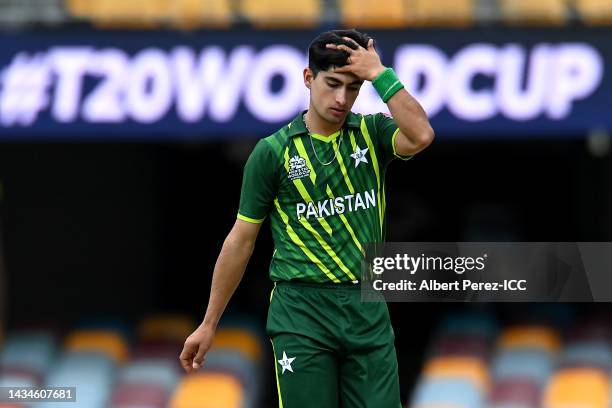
(329, 78)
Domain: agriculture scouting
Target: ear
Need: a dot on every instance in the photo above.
(308, 77)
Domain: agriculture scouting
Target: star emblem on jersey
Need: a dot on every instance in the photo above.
(286, 362)
(360, 155)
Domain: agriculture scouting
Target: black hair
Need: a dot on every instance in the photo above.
(321, 58)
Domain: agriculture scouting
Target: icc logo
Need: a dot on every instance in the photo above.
(298, 168)
(296, 162)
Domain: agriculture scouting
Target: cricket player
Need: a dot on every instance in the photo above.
(320, 179)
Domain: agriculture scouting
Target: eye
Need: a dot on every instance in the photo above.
(332, 84)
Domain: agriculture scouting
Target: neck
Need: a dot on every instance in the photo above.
(316, 124)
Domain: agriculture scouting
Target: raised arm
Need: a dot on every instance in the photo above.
(228, 272)
(415, 132)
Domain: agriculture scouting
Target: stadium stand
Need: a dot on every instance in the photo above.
(366, 14)
(281, 13)
(139, 13)
(115, 366)
(594, 12)
(221, 390)
(208, 13)
(17, 13)
(370, 14)
(578, 387)
(527, 365)
(548, 12)
(453, 13)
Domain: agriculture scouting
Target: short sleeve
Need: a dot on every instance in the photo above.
(386, 132)
(259, 184)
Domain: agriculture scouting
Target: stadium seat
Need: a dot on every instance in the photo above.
(20, 375)
(281, 13)
(208, 390)
(469, 368)
(108, 342)
(92, 373)
(113, 324)
(587, 354)
(196, 13)
(237, 364)
(122, 13)
(473, 324)
(240, 340)
(441, 13)
(525, 364)
(577, 388)
(515, 393)
(8, 379)
(160, 373)
(159, 350)
(447, 392)
(553, 12)
(167, 327)
(139, 396)
(457, 345)
(78, 8)
(530, 337)
(371, 14)
(31, 350)
(180, 13)
(595, 12)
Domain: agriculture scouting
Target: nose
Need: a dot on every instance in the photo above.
(341, 97)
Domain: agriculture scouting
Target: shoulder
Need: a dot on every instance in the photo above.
(277, 141)
(269, 150)
(371, 121)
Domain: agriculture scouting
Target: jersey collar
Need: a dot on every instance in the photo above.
(297, 126)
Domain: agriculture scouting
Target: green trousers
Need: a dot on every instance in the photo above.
(331, 349)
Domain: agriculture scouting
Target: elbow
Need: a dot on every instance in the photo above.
(425, 138)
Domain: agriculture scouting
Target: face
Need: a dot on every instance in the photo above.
(332, 94)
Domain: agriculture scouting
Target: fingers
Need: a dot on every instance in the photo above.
(370, 44)
(186, 357)
(340, 47)
(198, 361)
(350, 40)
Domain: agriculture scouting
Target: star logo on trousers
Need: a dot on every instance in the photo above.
(286, 362)
(360, 155)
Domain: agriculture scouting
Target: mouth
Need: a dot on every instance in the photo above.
(337, 112)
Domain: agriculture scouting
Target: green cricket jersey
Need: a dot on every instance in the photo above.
(321, 216)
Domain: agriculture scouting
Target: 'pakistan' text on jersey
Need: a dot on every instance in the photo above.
(321, 216)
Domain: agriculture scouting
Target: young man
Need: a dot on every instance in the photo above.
(321, 180)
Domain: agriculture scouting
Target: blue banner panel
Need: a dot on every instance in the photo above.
(153, 85)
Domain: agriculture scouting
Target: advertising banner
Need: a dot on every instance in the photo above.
(153, 85)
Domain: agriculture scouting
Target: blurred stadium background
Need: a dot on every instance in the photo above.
(124, 126)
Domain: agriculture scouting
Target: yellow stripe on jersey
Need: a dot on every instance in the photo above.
(368, 139)
(300, 186)
(249, 219)
(305, 196)
(302, 151)
(347, 225)
(328, 249)
(353, 143)
(343, 169)
(296, 239)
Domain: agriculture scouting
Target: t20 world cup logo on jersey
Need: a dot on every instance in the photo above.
(298, 168)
